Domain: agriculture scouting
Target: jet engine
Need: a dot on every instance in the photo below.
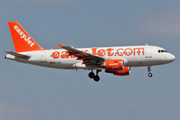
(114, 65)
(124, 72)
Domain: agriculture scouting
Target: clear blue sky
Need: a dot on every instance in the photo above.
(35, 93)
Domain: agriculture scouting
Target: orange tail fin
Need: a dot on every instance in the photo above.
(23, 42)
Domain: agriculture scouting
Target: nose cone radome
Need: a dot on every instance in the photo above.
(171, 57)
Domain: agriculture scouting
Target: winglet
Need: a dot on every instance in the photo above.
(60, 46)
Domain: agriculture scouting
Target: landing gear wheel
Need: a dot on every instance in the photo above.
(149, 70)
(91, 75)
(96, 78)
(150, 74)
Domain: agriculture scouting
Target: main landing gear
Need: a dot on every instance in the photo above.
(149, 70)
(95, 77)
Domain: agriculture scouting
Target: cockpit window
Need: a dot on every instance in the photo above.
(162, 51)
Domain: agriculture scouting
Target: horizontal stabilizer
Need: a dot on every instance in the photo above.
(17, 54)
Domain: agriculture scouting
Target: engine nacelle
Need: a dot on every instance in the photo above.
(114, 65)
(124, 72)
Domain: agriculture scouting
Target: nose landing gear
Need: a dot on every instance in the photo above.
(149, 70)
(150, 74)
(95, 77)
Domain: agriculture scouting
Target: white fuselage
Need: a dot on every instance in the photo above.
(133, 56)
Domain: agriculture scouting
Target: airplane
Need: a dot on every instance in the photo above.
(115, 60)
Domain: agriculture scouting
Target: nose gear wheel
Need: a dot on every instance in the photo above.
(149, 70)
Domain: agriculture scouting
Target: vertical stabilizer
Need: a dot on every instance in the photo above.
(23, 42)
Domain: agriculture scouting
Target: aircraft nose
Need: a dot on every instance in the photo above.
(171, 57)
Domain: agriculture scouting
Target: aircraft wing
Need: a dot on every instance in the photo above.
(86, 57)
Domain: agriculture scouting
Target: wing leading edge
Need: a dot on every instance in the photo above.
(86, 57)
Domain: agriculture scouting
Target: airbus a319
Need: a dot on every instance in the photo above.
(115, 60)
